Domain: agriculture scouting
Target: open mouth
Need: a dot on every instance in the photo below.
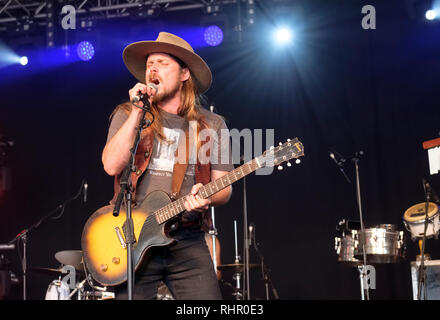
(155, 81)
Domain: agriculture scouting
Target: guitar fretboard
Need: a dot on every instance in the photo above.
(174, 208)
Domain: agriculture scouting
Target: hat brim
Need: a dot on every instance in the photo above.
(135, 58)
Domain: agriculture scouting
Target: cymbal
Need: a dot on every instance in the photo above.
(237, 267)
(70, 257)
(48, 271)
(52, 271)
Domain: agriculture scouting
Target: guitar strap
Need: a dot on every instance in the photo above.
(180, 168)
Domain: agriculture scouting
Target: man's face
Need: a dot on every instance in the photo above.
(166, 74)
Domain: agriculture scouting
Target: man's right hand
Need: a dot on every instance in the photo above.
(136, 90)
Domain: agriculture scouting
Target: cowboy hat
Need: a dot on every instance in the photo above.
(135, 57)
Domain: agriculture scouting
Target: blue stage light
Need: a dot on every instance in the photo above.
(24, 60)
(213, 35)
(85, 50)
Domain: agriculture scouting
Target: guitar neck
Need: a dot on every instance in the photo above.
(174, 208)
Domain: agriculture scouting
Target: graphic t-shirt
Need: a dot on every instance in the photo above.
(158, 175)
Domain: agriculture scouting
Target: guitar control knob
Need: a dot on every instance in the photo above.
(116, 260)
(104, 267)
(280, 167)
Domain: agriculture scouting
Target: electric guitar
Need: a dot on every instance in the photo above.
(103, 242)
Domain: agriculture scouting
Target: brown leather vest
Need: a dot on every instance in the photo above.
(142, 159)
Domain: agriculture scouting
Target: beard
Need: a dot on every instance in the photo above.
(167, 94)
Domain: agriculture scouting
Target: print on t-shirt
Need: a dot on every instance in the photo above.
(162, 159)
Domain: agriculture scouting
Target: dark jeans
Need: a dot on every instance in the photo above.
(185, 267)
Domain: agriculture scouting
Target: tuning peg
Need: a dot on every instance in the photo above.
(280, 167)
(297, 161)
(288, 140)
(271, 148)
(289, 164)
(280, 144)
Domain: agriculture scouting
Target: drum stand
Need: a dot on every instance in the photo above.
(237, 274)
(80, 289)
(422, 269)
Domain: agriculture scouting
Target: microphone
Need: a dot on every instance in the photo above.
(332, 155)
(431, 191)
(141, 96)
(340, 162)
(85, 187)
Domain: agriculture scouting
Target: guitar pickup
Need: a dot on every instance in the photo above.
(120, 237)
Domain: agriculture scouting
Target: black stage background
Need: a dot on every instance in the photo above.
(340, 87)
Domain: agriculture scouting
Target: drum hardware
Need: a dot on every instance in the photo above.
(265, 271)
(237, 274)
(236, 267)
(23, 235)
(422, 270)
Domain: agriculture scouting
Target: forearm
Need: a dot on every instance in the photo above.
(117, 151)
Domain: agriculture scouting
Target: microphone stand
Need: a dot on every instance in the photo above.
(213, 230)
(362, 268)
(246, 283)
(24, 235)
(422, 268)
(126, 189)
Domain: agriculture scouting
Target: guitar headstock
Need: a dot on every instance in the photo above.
(291, 149)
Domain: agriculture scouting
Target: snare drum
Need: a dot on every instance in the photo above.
(414, 220)
(384, 244)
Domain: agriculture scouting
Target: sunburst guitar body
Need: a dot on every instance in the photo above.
(103, 239)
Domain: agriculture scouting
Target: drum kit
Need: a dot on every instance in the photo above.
(83, 286)
(384, 243)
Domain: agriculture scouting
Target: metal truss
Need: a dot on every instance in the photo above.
(22, 12)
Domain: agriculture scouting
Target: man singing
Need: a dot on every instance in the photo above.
(179, 76)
